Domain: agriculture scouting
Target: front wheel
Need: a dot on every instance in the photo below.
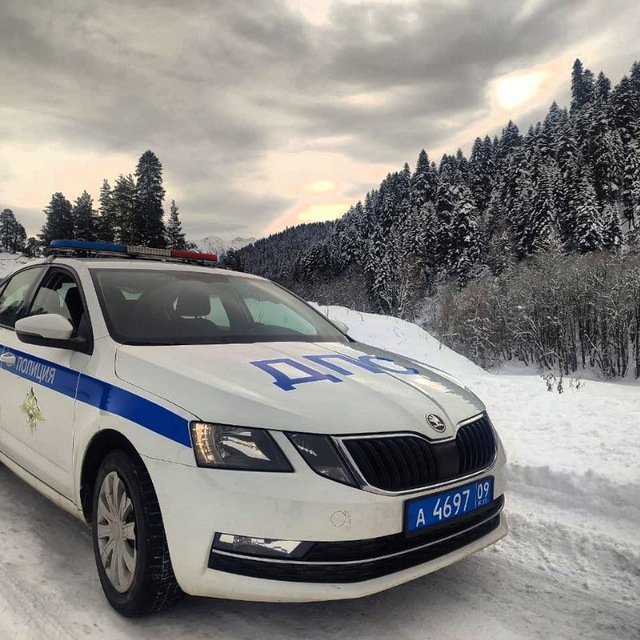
(129, 542)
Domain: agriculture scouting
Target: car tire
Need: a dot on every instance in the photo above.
(129, 541)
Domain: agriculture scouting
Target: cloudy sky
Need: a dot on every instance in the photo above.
(267, 113)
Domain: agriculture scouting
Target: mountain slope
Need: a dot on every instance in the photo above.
(216, 244)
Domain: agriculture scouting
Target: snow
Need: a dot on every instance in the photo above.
(569, 569)
(216, 244)
(10, 262)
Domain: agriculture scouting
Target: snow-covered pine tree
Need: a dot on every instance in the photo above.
(625, 105)
(577, 92)
(589, 228)
(445, 204)
(107, 228)
(403, 198)
(381, 264)
(520, 211)
(31, 247)
(347, 245)
(550, 129)
(584, 89)
(481, 172)
(174, 237)
(149, 226)
(509, 141)
(463, 166)
(125, 212)
(544, 205)
(428, 221)
(233, 260)
(466, 248)
(386, 204)
(59, 222)
(424, 182)
(631, 185)
(84, 218)
(602, 87)
(12, 233)
(607, 162)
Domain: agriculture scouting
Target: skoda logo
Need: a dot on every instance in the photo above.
(436, 423)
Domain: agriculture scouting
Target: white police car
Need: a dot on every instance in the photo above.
(225, 439)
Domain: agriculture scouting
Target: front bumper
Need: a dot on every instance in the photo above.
(362, 560)
(361, 551)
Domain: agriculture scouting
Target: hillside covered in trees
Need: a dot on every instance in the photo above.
(569, 185)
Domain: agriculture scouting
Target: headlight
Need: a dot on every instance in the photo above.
(218, 445)
(321, 455)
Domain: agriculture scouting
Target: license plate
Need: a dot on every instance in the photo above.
(430, 510)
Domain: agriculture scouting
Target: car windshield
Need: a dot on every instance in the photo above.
(194, 307)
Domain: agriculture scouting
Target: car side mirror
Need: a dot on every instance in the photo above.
(341, 326)
(46, 330)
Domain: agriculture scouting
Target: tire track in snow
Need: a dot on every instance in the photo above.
(23, 611)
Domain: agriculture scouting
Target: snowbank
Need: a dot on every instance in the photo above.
(10, 262)
(402, 337)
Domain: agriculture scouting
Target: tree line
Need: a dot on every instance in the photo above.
(131, 212)
(568, 185)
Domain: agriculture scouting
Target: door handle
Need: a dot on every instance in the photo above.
(8, 358)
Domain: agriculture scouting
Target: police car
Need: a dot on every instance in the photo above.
(222, 438)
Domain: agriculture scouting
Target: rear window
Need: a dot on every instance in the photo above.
(193, 307)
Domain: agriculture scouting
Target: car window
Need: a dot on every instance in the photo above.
(15, 295)
(49, 301)
(218, 314)
(59, 293)
(278, 315)
(195, 307)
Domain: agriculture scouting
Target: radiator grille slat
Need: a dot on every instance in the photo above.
(400, 463)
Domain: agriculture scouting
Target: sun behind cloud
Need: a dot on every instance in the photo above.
(516, 89)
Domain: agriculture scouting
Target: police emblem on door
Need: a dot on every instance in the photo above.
(32, 411)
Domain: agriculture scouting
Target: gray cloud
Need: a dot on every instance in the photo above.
(213, 87)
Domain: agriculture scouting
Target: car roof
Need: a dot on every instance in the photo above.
(138, 264)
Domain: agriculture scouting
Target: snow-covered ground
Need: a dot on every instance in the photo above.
(570, 567)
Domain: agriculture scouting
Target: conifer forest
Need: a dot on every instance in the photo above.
(528, 250)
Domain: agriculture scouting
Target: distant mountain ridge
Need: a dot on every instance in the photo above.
(216, 244)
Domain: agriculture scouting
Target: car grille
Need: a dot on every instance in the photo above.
(360, 560)
(404, 462)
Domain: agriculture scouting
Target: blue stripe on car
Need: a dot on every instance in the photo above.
(102, 395)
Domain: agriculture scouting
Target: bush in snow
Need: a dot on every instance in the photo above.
(563, 313)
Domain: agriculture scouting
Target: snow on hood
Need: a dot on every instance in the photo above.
(313, 387)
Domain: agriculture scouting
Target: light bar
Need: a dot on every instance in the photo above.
(131, 250)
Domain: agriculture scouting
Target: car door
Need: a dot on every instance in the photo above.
(39, 385)
(14, 295)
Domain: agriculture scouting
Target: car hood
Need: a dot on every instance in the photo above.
(300, 386)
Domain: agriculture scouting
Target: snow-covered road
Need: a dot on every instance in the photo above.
(570, 567)
(558, 575)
